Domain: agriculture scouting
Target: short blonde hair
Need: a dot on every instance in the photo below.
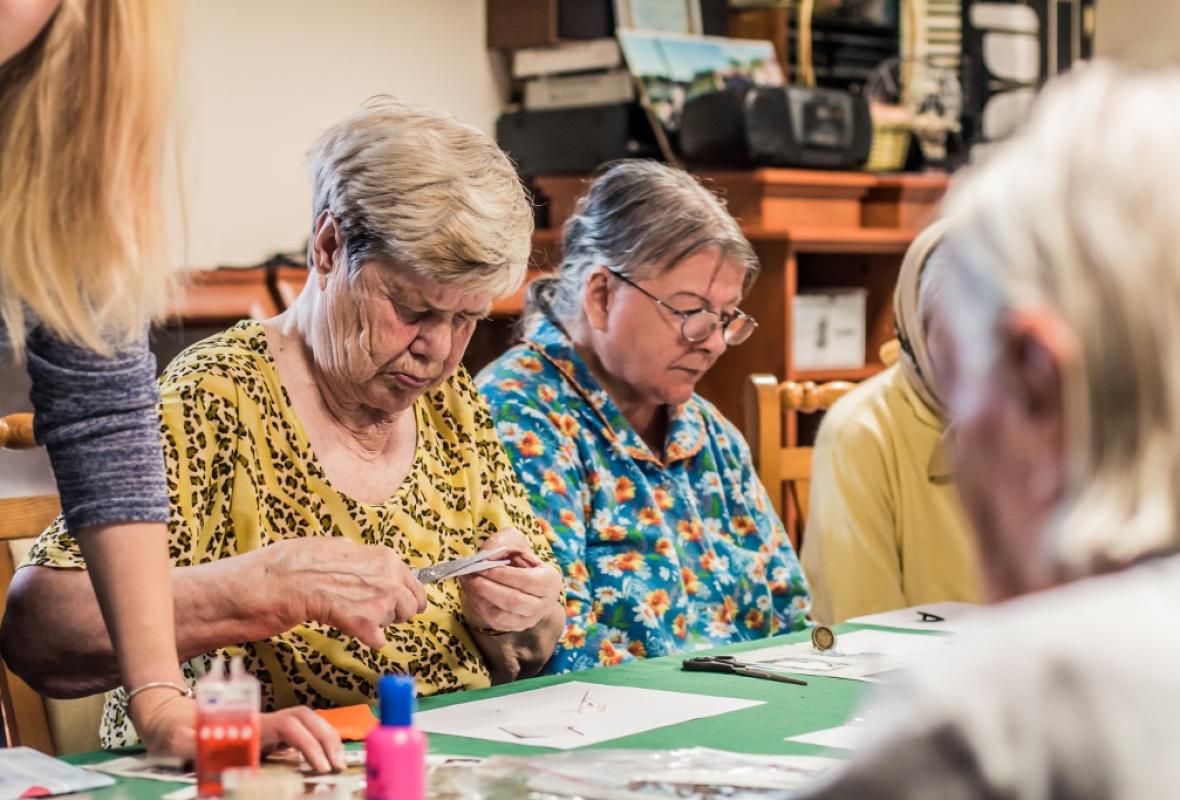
(418, 186)
(1079, 213)
(84, 112)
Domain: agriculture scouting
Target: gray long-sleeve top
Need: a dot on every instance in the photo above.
(97, 418)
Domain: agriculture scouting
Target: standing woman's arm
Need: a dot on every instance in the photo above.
(97, 418)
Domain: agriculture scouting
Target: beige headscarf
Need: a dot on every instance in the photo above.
(915, 358)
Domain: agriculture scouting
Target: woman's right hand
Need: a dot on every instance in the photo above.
(166, 723)
(307, 732)
(167, 727)
(356, 588)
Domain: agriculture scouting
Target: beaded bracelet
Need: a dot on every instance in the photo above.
(185, 691)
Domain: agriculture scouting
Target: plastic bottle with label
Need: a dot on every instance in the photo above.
(228, 725)
(395, 752)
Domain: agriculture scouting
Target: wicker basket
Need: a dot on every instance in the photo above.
(892, 132)
(890, 147)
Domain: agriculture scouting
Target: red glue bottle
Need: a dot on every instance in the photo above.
(228, 725)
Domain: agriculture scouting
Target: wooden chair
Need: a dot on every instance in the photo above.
(56, 726)
(16, 432)
(784, 471)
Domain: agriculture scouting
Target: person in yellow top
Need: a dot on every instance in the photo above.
(885, 528)
(316, 460)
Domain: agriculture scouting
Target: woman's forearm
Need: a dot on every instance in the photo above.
(131, 574)
(512, 656)
(54, 636)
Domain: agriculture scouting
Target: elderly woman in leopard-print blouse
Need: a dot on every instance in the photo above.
(317, 459)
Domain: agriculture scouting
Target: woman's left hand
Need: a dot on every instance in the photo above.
(514, 597)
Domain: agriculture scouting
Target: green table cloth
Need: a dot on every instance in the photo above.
(787, 710)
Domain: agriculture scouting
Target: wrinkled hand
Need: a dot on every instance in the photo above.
(514, 597)
(166, 723)
(299, 727)
(356, 588)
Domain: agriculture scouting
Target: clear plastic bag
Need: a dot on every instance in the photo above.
(630, 775)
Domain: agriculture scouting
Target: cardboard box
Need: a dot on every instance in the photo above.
(545, 23)
(828, 329)
(575, 91)
(583, 56)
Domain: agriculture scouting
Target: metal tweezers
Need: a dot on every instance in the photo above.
(732, 666)
(462, 566)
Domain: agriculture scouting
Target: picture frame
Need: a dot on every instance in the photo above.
(670, 68)
(663, 16)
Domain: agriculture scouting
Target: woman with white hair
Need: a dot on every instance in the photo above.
(886, 529)
(1064, 301)
(666, 536)
(318, 459)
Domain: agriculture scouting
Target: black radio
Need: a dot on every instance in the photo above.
(776, 126)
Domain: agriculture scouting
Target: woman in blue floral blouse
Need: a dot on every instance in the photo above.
(666, 536)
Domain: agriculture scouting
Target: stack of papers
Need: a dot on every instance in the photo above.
(860, 655)
(25, 772)
(955, 617)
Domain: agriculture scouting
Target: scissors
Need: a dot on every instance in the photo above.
(732, 666)
(462, 566)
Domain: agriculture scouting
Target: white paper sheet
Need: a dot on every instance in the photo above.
(860, 655)
(553, 712)
(23, 769)
(955, 617)
(142, 767)
(846, 737)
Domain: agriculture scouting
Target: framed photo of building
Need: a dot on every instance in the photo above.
(662, 16)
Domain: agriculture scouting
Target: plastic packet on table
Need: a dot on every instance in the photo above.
(631, 775)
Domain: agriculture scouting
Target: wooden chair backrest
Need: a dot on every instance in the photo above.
(26, 721)
(784, 471)
(16, 432)
(55, 727)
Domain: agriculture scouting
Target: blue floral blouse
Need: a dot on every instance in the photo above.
(661, 554)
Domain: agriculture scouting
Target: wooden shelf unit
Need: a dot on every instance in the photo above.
(798, 261)
(222, 297)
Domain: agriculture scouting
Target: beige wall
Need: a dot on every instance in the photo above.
(262, 78)
(1138, 29)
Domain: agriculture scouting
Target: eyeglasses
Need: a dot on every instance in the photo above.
(697, 326)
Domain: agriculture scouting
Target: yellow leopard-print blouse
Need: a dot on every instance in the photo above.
(242, 476)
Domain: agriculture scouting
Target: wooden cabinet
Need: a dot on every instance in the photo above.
(222, 297)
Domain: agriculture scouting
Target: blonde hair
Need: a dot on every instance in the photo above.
(416, 185)
(1078, 213)
(639, 218)
(83, 115)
